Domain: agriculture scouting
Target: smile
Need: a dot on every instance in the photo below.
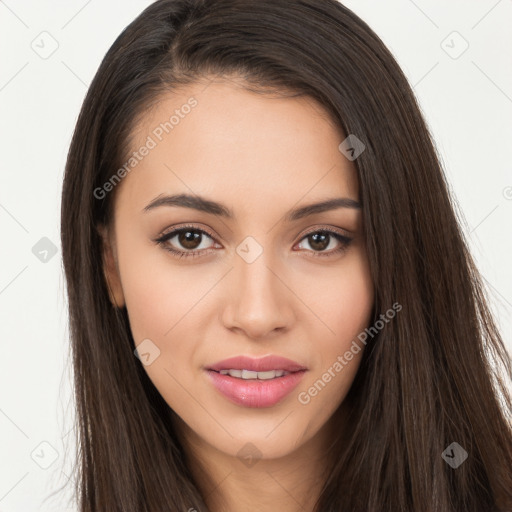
(248, 374)
(253, 391)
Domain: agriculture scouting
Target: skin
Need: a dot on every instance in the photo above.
(260, 156)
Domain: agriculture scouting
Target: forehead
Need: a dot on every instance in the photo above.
(218, 139)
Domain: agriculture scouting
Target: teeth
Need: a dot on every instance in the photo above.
(247, 374)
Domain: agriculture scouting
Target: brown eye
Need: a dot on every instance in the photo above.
(189, 239)
(185, 241)
(320, 240)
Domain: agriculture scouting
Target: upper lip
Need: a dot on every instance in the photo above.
(263, 364)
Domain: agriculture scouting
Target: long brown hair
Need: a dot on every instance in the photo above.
(431, 377)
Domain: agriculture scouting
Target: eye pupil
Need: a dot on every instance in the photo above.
(319, 240)
(189, 239)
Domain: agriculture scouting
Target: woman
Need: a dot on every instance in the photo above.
(272, 306)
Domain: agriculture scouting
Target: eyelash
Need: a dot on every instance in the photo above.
(163, 239)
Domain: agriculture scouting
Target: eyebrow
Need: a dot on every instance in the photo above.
(208, 206)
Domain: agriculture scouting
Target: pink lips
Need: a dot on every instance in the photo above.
(256, 392)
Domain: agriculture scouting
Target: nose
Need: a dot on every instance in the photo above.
(259, 302)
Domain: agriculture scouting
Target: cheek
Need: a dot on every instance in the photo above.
(351, 304)
(158, 293)
(164, 305)
(343, 300)
(169, 305)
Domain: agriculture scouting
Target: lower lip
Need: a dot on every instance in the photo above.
(255, 392)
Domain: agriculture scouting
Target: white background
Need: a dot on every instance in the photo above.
(467, 102)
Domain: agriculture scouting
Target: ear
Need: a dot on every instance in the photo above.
(110, 267)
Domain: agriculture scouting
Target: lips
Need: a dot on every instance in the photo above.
(255, 393)
(263, 364)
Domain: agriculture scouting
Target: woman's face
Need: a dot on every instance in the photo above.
(263, 279)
